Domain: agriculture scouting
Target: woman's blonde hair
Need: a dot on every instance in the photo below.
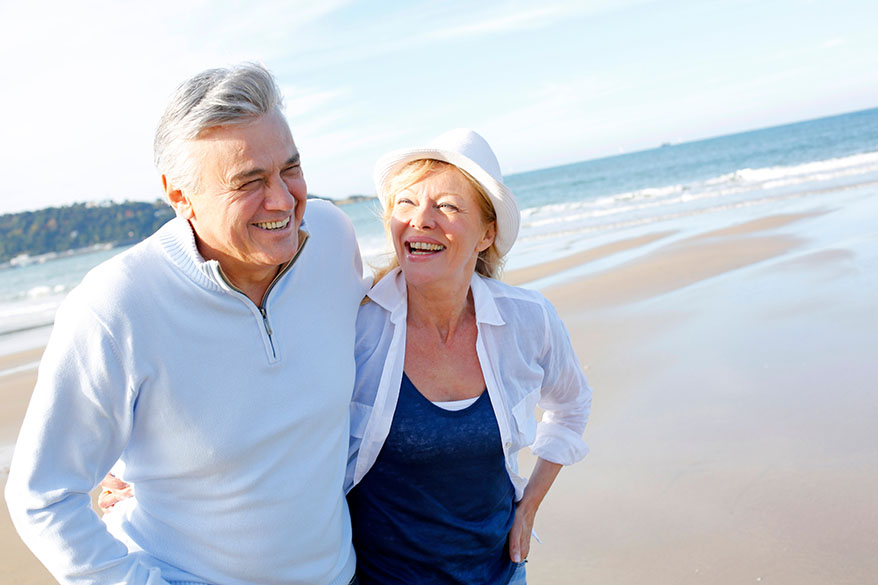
(489, 262)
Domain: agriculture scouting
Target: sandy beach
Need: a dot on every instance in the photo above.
(732, 436)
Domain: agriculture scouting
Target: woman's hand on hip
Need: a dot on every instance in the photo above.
(538, 485)
(519, 536)
(115, 490)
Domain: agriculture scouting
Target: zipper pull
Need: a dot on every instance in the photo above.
(265, 320)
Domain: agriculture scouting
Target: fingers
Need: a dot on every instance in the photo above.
(111, 482)
(515, 543)
(519, 546)
(107, 500)
(115, 490)
(519, 537)
(524, 546)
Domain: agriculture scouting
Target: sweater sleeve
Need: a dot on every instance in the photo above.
(77, 424)
(565, 397)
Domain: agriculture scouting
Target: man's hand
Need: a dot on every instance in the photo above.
(115, 490)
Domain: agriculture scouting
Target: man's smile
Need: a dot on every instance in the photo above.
(273, 225)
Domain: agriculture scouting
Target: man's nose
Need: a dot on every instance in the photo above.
(278, 196)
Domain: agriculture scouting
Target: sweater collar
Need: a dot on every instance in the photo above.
(178, 241)
(390, 294)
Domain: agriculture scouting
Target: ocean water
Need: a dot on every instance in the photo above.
(574, 206)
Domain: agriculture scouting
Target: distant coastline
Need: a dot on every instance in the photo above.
(34, 237)
(25, 259)
(345, 201)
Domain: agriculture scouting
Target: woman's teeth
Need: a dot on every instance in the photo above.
(424, 247)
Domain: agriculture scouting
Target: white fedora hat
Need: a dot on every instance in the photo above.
(468, 151)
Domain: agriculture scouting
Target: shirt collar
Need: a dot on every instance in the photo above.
(484, 301)
(389, 294)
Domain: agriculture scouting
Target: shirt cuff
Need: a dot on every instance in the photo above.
(558, 444)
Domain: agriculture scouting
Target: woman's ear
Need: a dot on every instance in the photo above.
(488, 238)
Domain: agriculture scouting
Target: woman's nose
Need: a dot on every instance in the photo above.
(422, 217)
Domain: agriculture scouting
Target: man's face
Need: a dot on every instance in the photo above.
(251, 198)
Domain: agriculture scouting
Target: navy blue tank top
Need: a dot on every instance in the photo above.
(437, 505)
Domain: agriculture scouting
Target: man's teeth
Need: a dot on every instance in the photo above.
(424, 247)
(274, 225)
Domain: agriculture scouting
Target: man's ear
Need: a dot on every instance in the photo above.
(178, 200)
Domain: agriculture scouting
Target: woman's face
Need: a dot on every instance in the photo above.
(437, 229)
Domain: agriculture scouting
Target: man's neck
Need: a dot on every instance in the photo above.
(254, 289)
(252, 281)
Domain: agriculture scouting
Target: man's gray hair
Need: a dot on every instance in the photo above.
(216, 97)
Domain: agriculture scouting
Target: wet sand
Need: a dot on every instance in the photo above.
(17, 564)
(732, 427)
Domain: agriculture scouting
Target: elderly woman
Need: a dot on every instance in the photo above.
(450, 365)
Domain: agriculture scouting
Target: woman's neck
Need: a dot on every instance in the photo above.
(441, 308)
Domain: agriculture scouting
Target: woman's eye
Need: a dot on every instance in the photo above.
(447, 207)
(404, 201)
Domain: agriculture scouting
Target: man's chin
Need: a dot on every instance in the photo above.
(281, 256)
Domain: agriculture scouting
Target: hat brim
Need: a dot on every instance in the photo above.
(502, 198)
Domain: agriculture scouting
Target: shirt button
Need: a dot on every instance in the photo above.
(508, 444)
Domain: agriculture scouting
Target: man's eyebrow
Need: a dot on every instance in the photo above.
(243, 176)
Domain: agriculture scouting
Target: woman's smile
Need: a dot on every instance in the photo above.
(417, 248)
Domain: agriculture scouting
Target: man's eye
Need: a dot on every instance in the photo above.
(250, 185)
(292, 171)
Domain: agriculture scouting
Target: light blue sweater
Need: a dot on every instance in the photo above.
(233, 425)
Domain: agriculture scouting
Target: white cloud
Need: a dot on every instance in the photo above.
(338, 161)
(301, 102)
(536, 18)
(506, 18)
(555, 123)
(86, 81)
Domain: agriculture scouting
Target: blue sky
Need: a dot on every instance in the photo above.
(547, 84)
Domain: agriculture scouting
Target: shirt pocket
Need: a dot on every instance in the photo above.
(524, 418)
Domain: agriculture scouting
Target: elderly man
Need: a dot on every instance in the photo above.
(214, 361)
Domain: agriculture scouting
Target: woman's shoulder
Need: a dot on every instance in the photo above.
(371, 319)
(524, 311)
(508, 294)
(369, 309)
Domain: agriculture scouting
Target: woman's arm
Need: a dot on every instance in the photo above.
(565, 397)
(538, 485)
